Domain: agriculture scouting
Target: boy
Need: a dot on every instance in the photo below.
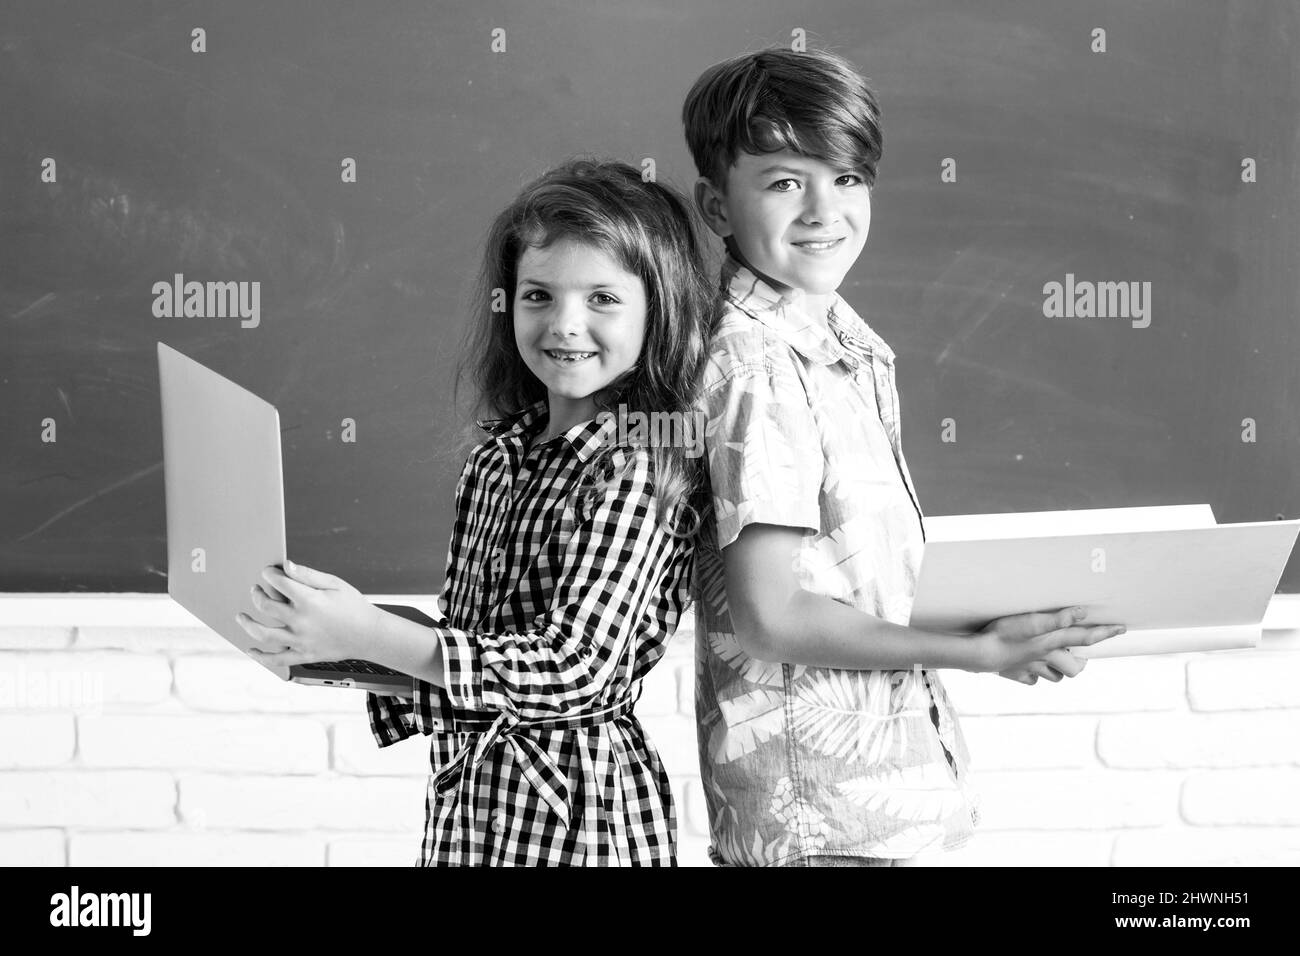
(824, 737)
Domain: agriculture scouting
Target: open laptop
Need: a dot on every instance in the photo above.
(225, 513)
(1174, 577)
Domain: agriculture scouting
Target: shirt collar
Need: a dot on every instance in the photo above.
(585, 438)
(787, 316)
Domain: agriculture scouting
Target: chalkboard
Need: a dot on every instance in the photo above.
(1025, 144)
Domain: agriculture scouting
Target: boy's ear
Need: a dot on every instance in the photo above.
(712, 207)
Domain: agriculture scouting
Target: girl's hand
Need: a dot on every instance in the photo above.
(322, 618)
(1015, 642)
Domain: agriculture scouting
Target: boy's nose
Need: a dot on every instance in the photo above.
(820, 208)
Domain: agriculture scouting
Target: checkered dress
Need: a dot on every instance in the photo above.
(559, 598)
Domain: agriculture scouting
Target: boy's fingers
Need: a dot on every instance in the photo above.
(1080, 636)
(1043, 669)
(1026, 626)
(1066, 663)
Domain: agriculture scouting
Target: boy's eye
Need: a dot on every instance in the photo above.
(854, 176)
(779, 182)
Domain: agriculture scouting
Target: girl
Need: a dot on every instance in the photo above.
(572, 550)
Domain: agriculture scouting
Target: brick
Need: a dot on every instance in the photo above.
(355, 751)
(1108, 685)
(302, 803)
(32, 848)
(1249, 797)
(674, 738)
(180, 848)
(288, 745)
(692, 809)
(1075, 799)
(34, 638)
(84, 682)
(658, 691)
(97, 799)
(375, 851)
(176, 640)
(1031, 848)
(692, 850)
(45, 740)
(1200, 740)
(686, 689)
(1209, 846)
(237, 684)
(1244, 680)
(1040, 742)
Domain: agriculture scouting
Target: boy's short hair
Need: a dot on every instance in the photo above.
(814, 103)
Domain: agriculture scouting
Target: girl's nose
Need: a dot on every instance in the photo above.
(567, 318)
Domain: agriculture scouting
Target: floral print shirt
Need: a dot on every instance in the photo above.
(803, 431)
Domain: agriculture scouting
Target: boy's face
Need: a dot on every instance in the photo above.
(781, 208)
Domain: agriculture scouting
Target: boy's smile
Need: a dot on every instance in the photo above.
(796, 221)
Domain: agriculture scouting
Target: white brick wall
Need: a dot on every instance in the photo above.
(136, 745)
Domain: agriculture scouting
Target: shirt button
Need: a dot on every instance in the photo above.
(497, 823)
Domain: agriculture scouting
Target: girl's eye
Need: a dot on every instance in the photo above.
(606, 298)
(527, 296)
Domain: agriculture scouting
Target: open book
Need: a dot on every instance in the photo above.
(1177, 580)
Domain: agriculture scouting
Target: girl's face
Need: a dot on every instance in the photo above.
(580, 322)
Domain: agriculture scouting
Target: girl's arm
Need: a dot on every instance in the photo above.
(615, 563)
(395, 717)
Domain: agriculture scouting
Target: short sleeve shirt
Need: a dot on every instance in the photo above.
(803, 431)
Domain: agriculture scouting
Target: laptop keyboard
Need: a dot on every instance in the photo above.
(364, 667)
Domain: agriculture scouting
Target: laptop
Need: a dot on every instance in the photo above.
(1177, 579)
(225, 514)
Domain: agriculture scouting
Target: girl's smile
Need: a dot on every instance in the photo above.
(579, 320)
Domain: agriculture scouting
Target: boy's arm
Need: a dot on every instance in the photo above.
(777, 620)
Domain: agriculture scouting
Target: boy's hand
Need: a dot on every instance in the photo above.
(321, 617)
(1016, 642)
(1054, 666)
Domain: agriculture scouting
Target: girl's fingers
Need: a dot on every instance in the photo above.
(285, 657)
(267, 604)
(310, 576)
(263, 637)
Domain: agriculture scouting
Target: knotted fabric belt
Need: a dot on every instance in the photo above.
(538, 769)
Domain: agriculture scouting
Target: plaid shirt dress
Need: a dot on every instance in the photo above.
(559, 598)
